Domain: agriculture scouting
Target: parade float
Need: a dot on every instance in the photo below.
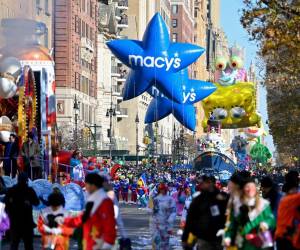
(28, 105)
(234, 101)
(27, 88)
(231, 106)
(214, 156)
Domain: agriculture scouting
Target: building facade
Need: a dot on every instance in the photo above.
(38, 10)
(182, 23)
(151, 139)
(111, 77)
(200, 69)
(75, 29)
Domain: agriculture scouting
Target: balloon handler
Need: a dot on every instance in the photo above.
(142, 196)
(54, 236)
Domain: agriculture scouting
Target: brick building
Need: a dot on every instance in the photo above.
(182, 21)
(75, 29)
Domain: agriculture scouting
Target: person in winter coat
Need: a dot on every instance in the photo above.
(31, 156)
(18, 204)
(255, 217)
(271, 193)
(206, 216)
(76, 168)
(98, 220)
(163, 218)
(54, 236)
(4, 221)
(287, 232)
(11, 153)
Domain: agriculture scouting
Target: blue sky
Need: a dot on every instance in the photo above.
(230, 22)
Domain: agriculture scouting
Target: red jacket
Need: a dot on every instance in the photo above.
(287, 214)
(101, 224)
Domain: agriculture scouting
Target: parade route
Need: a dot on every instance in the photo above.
(136, 222)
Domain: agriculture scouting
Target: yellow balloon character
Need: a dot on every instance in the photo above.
(234, 105)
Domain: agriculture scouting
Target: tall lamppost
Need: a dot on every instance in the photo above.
(76, 110)
(111, 112)
(174, 144)
(156, 140)
(94, 135)
(137, 121)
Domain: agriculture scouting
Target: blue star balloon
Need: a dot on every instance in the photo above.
(193, 91)
(160, 107)
(154, 60)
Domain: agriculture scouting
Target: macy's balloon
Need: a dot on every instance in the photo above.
(193, 91)
(185, 114)
(155, 61)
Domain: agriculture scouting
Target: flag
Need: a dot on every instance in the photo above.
(143, 180)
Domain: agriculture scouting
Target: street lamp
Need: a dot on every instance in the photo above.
(174, 144)
(111, 112)
(137, 121)
(94, 135)
(76, 110)
(156, 139)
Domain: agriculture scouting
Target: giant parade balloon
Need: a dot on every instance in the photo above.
(193, 91)
(234, 101)
(154, 61)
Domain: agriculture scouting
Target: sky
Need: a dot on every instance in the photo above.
(230, 22)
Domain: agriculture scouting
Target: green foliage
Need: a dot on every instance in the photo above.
(275, 26)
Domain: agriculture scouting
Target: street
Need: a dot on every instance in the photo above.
(136, 222)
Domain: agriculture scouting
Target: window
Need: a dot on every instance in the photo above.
(83, 5)
(91, 88)
(83, 29)
(90, 114)
(91, 34)
(88, 6)
(77, 53)
(91, 9)
(87, 30)
(46, 37)
(174, 8)
(174, 23)
(47, 6)
(77, 80)
(77, 25)
(37, 6)
(174, 37)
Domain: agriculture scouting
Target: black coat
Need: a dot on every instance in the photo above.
(11, 153)
(206, 216)
(19, 201)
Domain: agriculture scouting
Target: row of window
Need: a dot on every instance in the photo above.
(91, 66)
(85, 85)
(83, 29)
(86, 113)
(88, 7)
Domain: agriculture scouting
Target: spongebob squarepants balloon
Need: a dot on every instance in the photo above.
(234, 101)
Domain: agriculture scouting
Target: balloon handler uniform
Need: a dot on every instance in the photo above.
(54, 236)
(133, 189)
(98, 222)
(142, 195)
(124, 190)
